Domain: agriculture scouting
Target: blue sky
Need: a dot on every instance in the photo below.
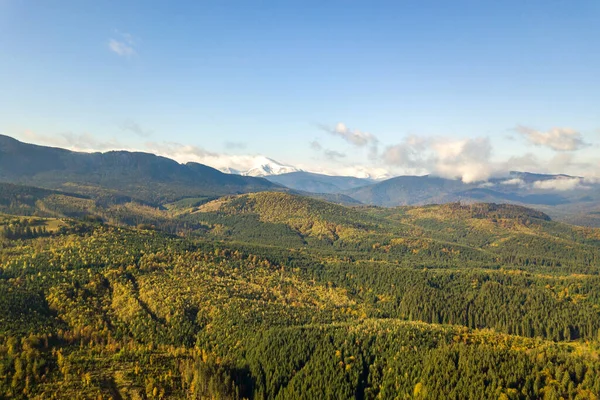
(459, 88)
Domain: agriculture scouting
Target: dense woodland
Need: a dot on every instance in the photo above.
(272, 295)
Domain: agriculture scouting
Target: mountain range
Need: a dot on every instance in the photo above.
(143, 176)
(158, 180)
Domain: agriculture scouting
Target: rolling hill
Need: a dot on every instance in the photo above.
(275, 295)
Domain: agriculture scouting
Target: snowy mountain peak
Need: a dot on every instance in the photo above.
(257, 166)
(261, 166)
(265, 166)
(229, 170)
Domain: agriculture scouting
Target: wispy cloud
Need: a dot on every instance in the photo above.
(558, 139)
(135, 128)
(188, 153)
(235, 145)
(331, 155)
(124, 45)
(74, 141)
(560, 184)
(314, 145)
(354, 137)
(513, 182)
(180, 152)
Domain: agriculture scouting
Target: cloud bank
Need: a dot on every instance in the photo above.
(465, 159)
(558, 139)
(560, 184)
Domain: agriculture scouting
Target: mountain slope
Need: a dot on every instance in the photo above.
(473, 234)
(318, 183)
(26, 200)
(140, 175)
(264, 166)
(306, 217)
(406, 190)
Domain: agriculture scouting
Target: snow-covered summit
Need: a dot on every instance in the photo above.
(261, 166)
(265, 166)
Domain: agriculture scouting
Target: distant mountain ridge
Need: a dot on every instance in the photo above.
(520, 187)
(143, 176)
(318, 183)
(261, 166)
(566, 198)
(157, 180)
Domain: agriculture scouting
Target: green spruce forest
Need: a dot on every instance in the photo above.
(275, 295)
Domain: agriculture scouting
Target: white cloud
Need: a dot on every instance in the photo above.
(354, 137)
(410, 153)
(121, 48)
(558, 139)
(560, 184)
(526, 162)
(357, 170)
(560, 163)
(124, 46)
(471, 160)
(592, 174)
(363, 171)
(465, 159)
(84, 142)
(180, 152)
(513, 182)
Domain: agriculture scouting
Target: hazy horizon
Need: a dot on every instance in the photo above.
(467, 89)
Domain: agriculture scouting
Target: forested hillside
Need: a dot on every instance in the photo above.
(271, 295)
